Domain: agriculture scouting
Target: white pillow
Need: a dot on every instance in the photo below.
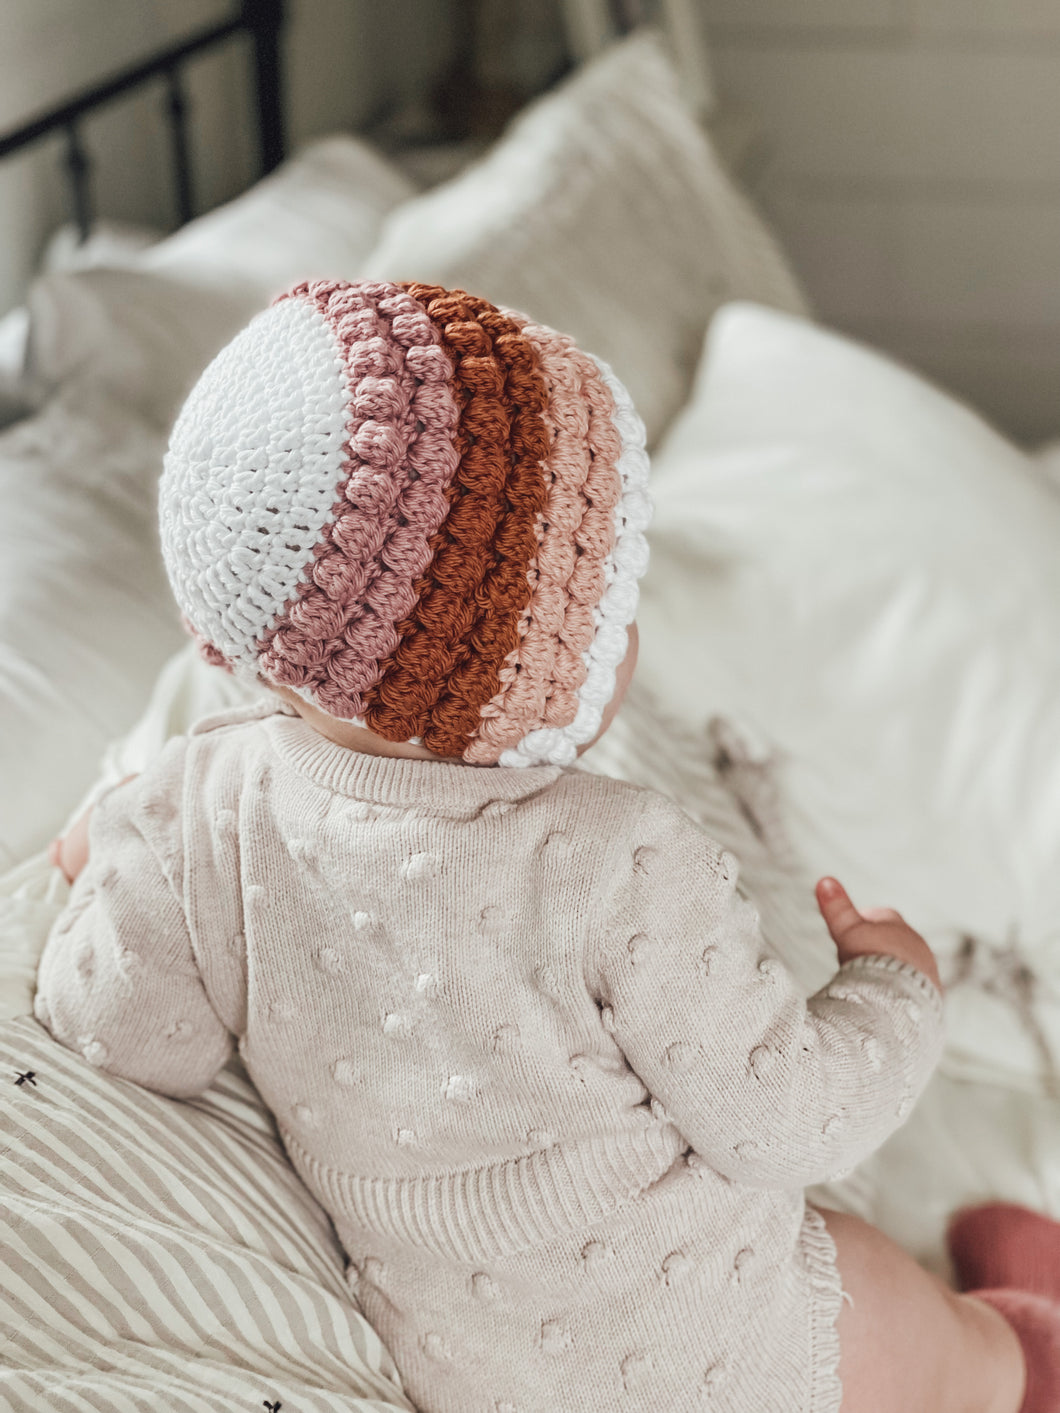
(145, 332)
(858, 569)
(603, 211)
(140, 337)
(16, 396)
(317, 215)
(111, 244)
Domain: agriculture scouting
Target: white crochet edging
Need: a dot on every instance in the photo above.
(255, 460)
(623, 568)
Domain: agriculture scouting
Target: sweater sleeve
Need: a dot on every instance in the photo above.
(771, 1089)
(118, 980)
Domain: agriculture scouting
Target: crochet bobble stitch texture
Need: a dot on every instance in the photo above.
(466, 616)
(574, 534)
(421, 512)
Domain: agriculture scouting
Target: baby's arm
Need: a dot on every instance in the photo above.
(118, 979)
(771, 1089)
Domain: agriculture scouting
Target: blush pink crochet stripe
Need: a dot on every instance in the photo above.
(402, 456)
(540, 677)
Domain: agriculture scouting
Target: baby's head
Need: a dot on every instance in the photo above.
(418, 517)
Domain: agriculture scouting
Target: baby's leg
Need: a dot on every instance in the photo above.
(909, 1344)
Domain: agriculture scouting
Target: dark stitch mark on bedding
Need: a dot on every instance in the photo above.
(28, 1075)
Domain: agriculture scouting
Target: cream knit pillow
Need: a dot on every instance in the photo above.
(603, 211)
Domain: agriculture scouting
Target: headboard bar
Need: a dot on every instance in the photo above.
(79, 165)
(263, 19)
(178, 127)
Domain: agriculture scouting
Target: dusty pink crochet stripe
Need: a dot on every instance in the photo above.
(401, 457)
(541, 676)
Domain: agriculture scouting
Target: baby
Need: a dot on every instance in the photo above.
(518, 1028)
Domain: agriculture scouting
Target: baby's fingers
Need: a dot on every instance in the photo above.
(873, 932)
(836, 908)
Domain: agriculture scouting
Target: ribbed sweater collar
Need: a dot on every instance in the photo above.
(387, 781)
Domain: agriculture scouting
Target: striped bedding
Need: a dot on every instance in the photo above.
(162, 1255)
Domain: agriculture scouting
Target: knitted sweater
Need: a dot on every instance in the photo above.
(523, 1041)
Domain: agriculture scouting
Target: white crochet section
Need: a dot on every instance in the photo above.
(251, 475)
(623, 568)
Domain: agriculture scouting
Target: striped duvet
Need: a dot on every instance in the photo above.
(161, 1254)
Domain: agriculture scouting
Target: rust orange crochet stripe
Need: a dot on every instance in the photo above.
(539, 679)
(476, 585)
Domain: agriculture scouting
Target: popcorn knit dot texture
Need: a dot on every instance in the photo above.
(418, 511)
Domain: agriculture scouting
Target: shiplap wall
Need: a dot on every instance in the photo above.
(913, 172)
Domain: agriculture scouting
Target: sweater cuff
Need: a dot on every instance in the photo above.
(876, 962)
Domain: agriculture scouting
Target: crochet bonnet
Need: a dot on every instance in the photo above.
(419, 511)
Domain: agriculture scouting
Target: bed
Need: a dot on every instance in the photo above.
(848, 665)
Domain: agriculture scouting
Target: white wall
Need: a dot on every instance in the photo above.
(914, 168)
(914, 176)
(343, 57)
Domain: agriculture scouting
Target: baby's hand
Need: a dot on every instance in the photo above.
(876, 931)
(70, 853)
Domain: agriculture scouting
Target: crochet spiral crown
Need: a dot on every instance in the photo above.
(418, 511)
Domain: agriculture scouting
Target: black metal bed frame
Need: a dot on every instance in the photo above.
(262, 20)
